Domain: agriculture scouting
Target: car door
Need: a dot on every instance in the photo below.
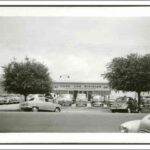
(50, 105)
(41, 103)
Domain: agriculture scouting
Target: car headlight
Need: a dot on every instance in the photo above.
(123, 129)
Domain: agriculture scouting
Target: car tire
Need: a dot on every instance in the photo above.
(35, 109)
(57, 109)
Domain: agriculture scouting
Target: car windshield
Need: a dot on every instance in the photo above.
(31, 99)
(49, 100)
(121, 99)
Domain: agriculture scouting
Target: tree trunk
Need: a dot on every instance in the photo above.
(139, 98)
(25, 97)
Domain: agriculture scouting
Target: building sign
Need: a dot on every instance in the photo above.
(72, 86)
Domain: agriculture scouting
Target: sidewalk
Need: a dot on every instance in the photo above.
(10, 107)
(85, 109)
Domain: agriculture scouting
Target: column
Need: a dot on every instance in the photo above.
(87, 95)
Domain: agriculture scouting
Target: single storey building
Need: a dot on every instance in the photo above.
(89, 88)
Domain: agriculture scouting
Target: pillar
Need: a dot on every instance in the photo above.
(87, 93)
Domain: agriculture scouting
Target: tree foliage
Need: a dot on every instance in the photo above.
(27, 77)
(130, 73)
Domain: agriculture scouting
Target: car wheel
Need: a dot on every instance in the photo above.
(57, 109)
(129, 110)
(35, 109)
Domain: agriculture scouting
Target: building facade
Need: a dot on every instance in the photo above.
(90, 88)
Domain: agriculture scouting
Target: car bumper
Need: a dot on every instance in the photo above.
(25, 108)
(118, 108)
(98, 104)
(130, 126)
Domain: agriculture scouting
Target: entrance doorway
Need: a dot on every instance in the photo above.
(88, 94)
(75, 95)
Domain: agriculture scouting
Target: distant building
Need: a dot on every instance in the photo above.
(89, 88)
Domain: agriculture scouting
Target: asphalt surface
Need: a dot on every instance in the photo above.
(82, 120)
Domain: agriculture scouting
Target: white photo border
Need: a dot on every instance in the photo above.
(11, 8)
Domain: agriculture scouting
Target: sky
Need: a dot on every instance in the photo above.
(79, 47)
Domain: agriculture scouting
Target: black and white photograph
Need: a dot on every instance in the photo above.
(75, 70)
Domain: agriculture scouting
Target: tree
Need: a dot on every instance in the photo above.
(130, 73)
(27, 77)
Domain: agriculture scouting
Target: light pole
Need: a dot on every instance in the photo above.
(66, 77)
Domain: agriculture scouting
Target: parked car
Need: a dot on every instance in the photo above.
(127, 104)
(39, 103)
(97, 101)
(3, 100)
(65, 99)
(145, 101)
(110, 102)
(13, 100)
(81, 100)
(136, 126)
(68, 99)
(60, 100)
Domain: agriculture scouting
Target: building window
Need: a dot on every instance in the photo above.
(65, 85)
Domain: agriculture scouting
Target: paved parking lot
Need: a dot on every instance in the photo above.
(69, 120)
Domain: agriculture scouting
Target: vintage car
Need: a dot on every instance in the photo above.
(38, 103)
(145, 101)
(81, 100)
(110, 102)
(127, 104)
(13, 100)
(65, 99)
(136, 126)
(3, 100)
(97, 101)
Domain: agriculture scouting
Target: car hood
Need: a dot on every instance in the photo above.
(145, 124)
(132, 126)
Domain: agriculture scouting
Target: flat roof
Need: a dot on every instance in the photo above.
(71, 82)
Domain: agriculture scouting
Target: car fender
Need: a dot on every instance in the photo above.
(131, 126)
(145, 124)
